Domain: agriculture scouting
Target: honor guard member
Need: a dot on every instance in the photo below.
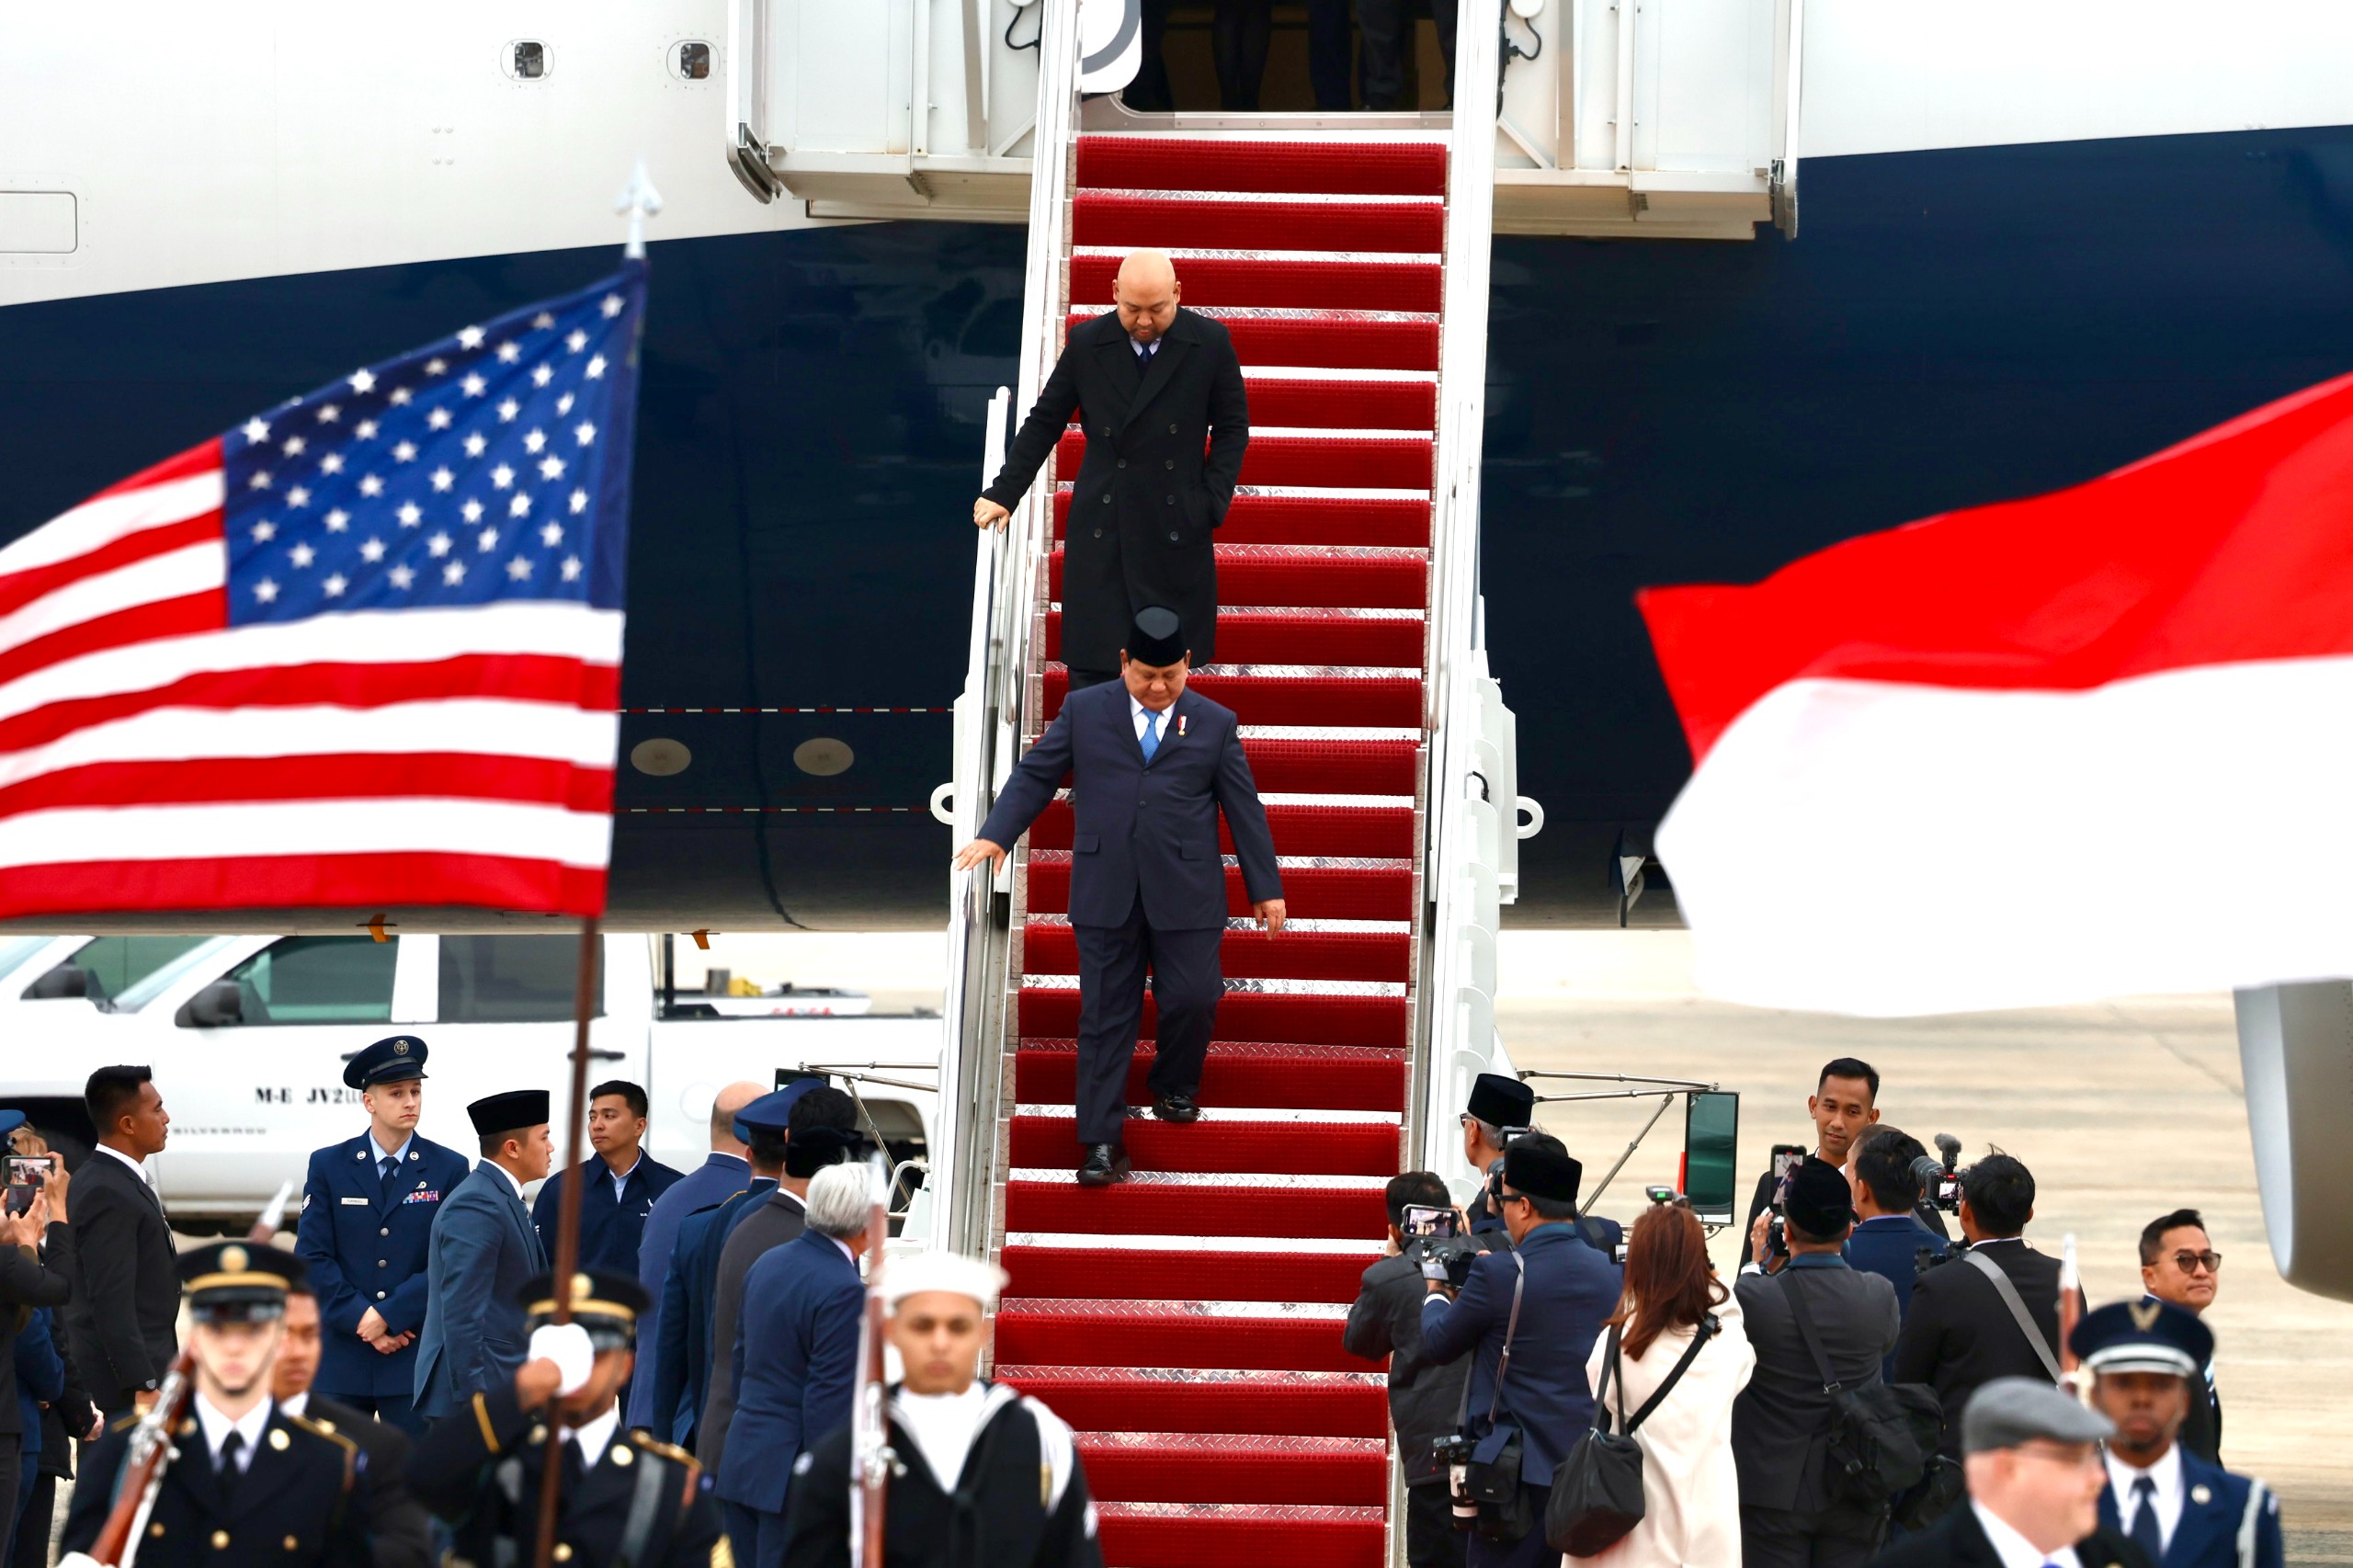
(246, 1482)
(367, 1211)
(982, 1473)
(626, 1499)
(2148, 1362)
(484, 1249)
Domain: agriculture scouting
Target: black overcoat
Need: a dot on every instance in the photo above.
(1145, 501)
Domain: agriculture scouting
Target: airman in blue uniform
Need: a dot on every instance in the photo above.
(367, 1211)
(2147, 1359)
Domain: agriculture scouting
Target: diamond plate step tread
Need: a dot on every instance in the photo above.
(1288, 954)
(1211, 1146)
(1235, 1468)
(1174, 1203)
(1278, 1336)
(1315, 1019)
(1145, 1273)
(1188, 1534)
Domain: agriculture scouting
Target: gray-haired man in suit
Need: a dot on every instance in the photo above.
(484, 1249)
(1154, 764)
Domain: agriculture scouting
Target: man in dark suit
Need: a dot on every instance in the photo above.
(821, 1129)
(123, 1321)
(624, 1182)
(1500, 1106)
(795, 1361)
(2178, 1263)
(400, 1534)
(484, 1249)
(724, 1171)
(1789, 1517)
(2035, 1476)
(1962, 1331)
(1148, 382)
(1890, 1239)
(2147, 1360)
(368, 1210)
(1385, 1324)
(1844, 1105)
(1153, 765)
(1565, 1288)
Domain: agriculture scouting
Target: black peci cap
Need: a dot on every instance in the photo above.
(1542, 1167)
(386, 1062)
(604, 1303)
(505, 1113)
(1820, 1202)
(1501, 1101)
(1157, 636)
(237, 1281)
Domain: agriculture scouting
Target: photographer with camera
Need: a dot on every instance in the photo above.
(1889, 1242)
(1530, 1315)
(1844, 1105)
(1386, 1323)
(1990, 1312)
(1816, 1323)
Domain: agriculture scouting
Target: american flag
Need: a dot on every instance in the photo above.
(363, 650)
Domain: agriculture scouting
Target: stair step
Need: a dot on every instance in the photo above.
(1235, 1468)
(1326, 340)
(1338, 166)
(1375, 891)
(1210, 220)
(1384, 831)
(1312, 575)
(1237, 1142)
(1236, 1269)
(1185, 1535)
(1336, 403)
(1163, 1203)
(1278, 1336)
(1309, 1018)
(1260, 516)
(1276, 637)
(1297, 279)
(1122, 1399)
(1052, 948)
(1259, 1073)
(1385, 462)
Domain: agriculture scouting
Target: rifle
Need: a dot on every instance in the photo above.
(872, 1459)
(150, 1442)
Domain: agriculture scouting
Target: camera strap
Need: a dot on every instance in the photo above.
(1519, 1282)
(1804, 1321)
(2009, 1294)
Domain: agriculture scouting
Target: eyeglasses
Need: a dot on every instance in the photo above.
(2190, 1262)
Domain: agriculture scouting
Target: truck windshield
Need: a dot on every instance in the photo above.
(141, 992)
(113, 965)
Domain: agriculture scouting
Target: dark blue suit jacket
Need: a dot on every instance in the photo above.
(699, 1188)
(40, 1377)
(2208, 1535)
(683, 1353)
(1571, 1288)
(795, 1363)
(1887, 1245)
(484, 1251)
(1148, 829)
(366, 1252)
(610, 1228)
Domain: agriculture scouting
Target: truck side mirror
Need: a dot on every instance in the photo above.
(68, 978)
(217, 1004)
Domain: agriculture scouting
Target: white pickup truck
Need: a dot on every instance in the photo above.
(247, 1036)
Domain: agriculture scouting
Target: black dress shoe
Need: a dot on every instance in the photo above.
(1175, 1107)
(1102, 1164)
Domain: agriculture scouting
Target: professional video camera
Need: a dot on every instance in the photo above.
(1941, 1180)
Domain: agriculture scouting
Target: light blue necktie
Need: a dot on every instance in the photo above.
(1151, 739)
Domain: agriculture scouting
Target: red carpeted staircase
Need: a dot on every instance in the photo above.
(1187, 1322)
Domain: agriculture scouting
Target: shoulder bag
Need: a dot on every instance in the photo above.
(1875, 1447)
(1597, 1495)
(1492, 1478)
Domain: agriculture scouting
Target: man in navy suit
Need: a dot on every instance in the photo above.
(367, 1225)
(1890, 1239)
(2148, 1362)
(724, 1171)
(795, 1361)
(623, 1182)
(1153, 765)
(1567, 1288)
(484, 1250)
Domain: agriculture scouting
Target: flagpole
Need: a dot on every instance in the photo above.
(567, 1224)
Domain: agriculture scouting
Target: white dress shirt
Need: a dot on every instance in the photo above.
(942, 1426)
(217, 1427)
(595, 1438)
(1139, 715)
(134, 1165)
(2166, 1473)
(512, 1179)
(2015, 1549)
(296, 1403)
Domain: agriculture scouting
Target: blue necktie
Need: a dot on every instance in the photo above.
(388, 1181)
(1151, 739)
(2145, 1534)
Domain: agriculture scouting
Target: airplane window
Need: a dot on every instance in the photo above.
(509, 980)
(318, 980)
(693, 59)
(531, 61)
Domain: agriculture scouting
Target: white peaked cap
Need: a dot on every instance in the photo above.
(912, 1273)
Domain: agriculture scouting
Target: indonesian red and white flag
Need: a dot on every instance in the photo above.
(2094, 743)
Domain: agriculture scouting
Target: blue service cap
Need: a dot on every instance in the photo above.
(2143, 1337)
(772, 1113)
(10, 1120)
(386, 1062)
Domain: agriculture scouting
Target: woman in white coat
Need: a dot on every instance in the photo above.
(1690, 1490)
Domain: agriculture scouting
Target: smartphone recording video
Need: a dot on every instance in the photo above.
(1424, 1223)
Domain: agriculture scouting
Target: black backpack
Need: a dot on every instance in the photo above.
(1876, 1450)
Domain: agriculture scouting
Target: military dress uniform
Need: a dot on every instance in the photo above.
(366, 1232)
(642, 1503)
(288, 1498)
